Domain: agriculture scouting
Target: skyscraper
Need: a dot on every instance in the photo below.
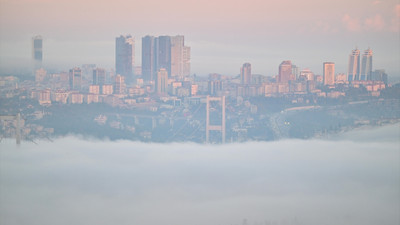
(285, 71)
(354, 65)
(295, 71)
(37, 52)
(162, 81)
(75, 79)
(186, 61)
(245, 74)
(99, 78)
(366, 65)
(148, 58)
(163, 53)
(119, 84)
(125, 56)
(177, 48)
(329, 73)
(180, 57)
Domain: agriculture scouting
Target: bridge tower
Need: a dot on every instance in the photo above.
(221, 127)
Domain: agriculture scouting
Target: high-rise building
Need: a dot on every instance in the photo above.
(119, 84)
(148, 58)
(285, 72)
(177, 48)
(162, 81)
(306, 74)
(366, 65)
(75, 79)
(99, 76)
(87, 71)
(245, 74)
(186, 61)
(40, 75)
(380, 75)
(329, 73)
(214, 87)
(125, 56)
(295, 71)
(37, 52)
(163, 53)
(354, 65)
(180, 57)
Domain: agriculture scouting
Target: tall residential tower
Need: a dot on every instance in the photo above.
(329, 73)
(285, 72)
(366, 65)
(148, 58)
(354, 65)
(245, 74)
(167, 52)
(125, 56)
(37, 52)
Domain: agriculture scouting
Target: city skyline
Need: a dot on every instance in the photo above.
(170, 55)
(207, 112)
(258, 34)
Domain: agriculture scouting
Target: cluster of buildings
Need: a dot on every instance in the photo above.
(163, 92)
(291, 80)
(163, 53)
(165, 72)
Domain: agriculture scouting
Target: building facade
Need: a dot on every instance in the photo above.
(168, 52)
(285, 72)
(162, 81)
(148, 58)
(366, 65)
(163, 53)
(329, 73)
(125, 56)
(75, 79)
(354, 65)
(245, 74)
(37, 52)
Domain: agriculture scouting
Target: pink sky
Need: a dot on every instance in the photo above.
(223, 33)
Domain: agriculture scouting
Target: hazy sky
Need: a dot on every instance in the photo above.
(223, 34)
(313, 182)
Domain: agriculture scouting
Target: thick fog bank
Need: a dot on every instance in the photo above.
(75, 181)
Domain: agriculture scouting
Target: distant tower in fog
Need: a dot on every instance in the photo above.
(163, 53)
(148, 58)
(285, 71)
(245, 74)
(177, 48)
(119, 84)
(354, 65)
(125, 56)
(295, 71)
(99, 76)
(180, 57)
(329, 73)
(75, 79)
(162, 81)
(37, 52)
(186, 61)
(366, 65)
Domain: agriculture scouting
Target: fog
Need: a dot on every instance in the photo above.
(349, 179)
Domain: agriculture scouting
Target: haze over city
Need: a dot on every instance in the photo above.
(213, 112)
(223, 34)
